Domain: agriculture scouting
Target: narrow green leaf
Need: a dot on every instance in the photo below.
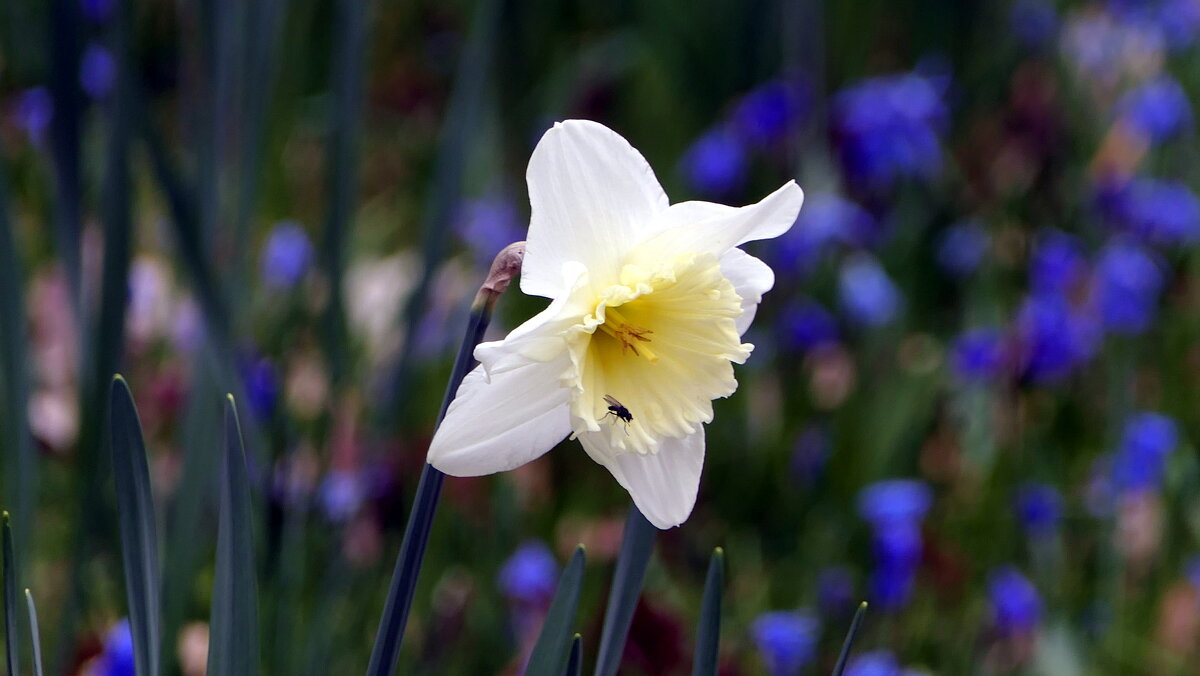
(135, 517)
(233, 625)
(575, 659)
(708, 634)
(10, 601)
(553, 643)
(636, 547)
(849, 642)
(34, 635)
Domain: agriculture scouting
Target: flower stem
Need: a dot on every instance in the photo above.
(420, 521)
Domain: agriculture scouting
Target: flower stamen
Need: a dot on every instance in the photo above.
(628, 333)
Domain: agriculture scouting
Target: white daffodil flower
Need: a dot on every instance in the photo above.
(649, 303)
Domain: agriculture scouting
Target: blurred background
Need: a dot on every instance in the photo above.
(973, 399)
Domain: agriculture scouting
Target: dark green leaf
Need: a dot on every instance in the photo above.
(575, 659)
(636, 547)
(34, 635)
(233, 626)
(708, 634)
(10, 601)
(135, 516)
(849, 642)
(553, 643)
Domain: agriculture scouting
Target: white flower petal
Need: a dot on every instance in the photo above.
(721, 228)
(503, 424)
(751, 278)
(592, 197)
(540, 338)
(663, 485)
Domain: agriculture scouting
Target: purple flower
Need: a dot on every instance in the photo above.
(117, 656)
(891, 588)
(1164, 213)
(877, 663)
(962, 248)
(489, 224)
(286, 256)
(262, 386)
(1038, 508)
(715, 164)
(806, 325)
(1128, 283)
(978, 355)
(868, 296)
(97, 71)
(825, 221)
(786, 640)
(894, 501)
(767, 115)
(1157, 109)
(1016, 606)
(34, 110)
(530, 575)
(1056, 338)
(1057, 263)
(1140, 461)
(341, 494)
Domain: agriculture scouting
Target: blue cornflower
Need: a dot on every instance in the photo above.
(786, 640)
(1157, 109)
(894, 501)
(97, 71)
(34, 110)
(825, 221)
(978, 355)
(1165, 213)
(715, 164)
(897, 545)
(1140, 459)
(876, 663)
(765, 116)
(868, 296)
(1033, 22)
(489, 224)
(962, 248)
(806, 324)
(341, 494)
(117, 657)
(286, 255)
(1057, 263)
(1016, 606)
(530, 575)
(1128, 283)
(1056, 338)
(835, 590)
(891, 588)
(1038, 508)
(262, 386)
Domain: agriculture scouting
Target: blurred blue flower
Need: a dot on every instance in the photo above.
(962, 247)
(1057, 263)
(286, 256)
(489, 224)
(34, 110)
(1033, 22)
(978, 355)
(98, 11)
(897, 545)
(117, 659)
(97, 71)
(888, 129)
(530, 575)
(786, 641)
(835, 591)
(1128, 283)
(768, 114)
(1156, 109)
(1164, 213)
(806, 324)
(868, 296)
(715, 164)
(341, 494)
(1056, 338)
(894, 501)
(1178, 21)
(1038, 508)
(1016, 605)
(891, 588)
(810, 453)
(262, 386)
(1140, 460)
(826, 220)
(876, 663)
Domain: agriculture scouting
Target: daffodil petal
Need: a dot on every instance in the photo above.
(663, 485)
(751, 278)
(502, 424)
(724, 227)
(540, 338)
(592, 197)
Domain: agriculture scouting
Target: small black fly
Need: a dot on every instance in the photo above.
(616, 408)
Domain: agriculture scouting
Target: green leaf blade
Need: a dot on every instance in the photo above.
(550, 652)
(708, 634)
(636, 546)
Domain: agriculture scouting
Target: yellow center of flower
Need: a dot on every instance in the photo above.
(661, 342)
